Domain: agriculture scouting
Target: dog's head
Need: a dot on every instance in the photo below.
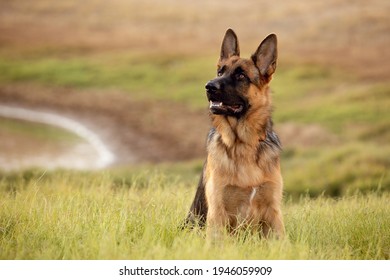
(240, 83)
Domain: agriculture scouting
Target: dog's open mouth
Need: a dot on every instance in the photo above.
(220, 108)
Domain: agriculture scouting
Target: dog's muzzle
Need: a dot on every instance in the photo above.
(218, 103)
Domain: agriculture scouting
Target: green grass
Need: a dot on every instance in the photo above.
(36, 130)
(336, 171)
(337, 107)
(170, 77)
(65, 215)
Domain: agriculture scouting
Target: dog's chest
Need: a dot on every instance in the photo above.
(237, 200)
(237, 167)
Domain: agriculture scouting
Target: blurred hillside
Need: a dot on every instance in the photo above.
(353, 34)
(134, 72)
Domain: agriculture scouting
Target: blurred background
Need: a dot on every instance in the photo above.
(120, 84)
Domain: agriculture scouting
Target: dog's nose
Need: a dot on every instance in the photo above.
(212, 86)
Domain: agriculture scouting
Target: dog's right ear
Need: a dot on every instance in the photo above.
(230, 45)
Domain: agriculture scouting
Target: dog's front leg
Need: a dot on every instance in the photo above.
(217, 217)
(266, 207)
(273, 222)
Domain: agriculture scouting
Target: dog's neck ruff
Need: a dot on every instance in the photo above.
(235, 131)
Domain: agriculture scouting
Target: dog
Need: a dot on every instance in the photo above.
(241, 183)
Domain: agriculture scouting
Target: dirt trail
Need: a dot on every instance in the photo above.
(104, 155)
(135, 131)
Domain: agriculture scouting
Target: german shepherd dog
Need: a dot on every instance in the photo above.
(241, 183)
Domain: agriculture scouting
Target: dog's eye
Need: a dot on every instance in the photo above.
(241, 76)
(219, 73)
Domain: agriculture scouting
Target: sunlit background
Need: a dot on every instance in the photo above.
(120, 84)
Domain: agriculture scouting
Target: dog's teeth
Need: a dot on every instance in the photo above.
(216, 104)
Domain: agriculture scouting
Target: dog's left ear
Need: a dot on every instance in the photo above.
(266, 55)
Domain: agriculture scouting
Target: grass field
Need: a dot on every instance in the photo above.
(331, 94)
(67, 215)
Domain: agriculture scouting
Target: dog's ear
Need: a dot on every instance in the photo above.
(230, 45)
(266, 55)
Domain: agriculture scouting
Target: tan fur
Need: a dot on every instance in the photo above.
(242, 189)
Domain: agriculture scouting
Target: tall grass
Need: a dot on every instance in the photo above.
(65, 215)
(337, 171)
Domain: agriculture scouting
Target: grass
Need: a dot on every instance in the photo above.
(36, 130)
(169, 77)
(65, 215)
(336, 171)
(337, 107)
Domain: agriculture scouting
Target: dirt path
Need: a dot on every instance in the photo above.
(134, 131)
(351, 34)
(104, 156)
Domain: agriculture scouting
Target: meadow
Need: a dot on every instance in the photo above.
(331, 98)
(64, 215)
